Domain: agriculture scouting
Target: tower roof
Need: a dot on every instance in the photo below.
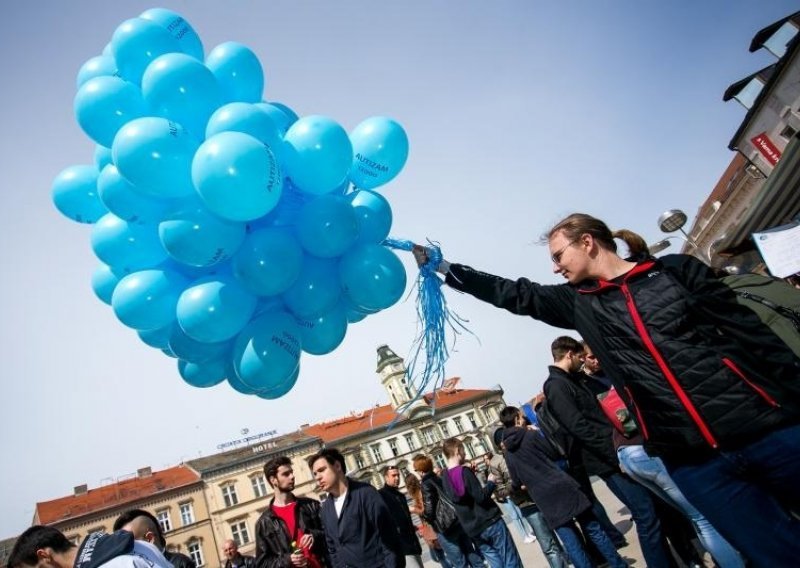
(386, 356)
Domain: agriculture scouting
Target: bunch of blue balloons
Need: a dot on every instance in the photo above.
(232, 234)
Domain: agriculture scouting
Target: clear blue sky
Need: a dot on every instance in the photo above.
(518, 112)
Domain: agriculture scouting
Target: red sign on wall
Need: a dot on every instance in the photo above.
(764, 145)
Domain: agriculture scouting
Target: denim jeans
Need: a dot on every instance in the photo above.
(497, 546)
(638, 501)
(513, 512)
(592, 529)
(459, 550)
(652, 473)
(744, 494)
(545, 537)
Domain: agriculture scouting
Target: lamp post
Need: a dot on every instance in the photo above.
(674, 220)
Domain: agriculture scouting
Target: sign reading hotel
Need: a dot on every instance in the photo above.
(764, 145)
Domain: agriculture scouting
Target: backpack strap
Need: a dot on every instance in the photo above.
(789, 313)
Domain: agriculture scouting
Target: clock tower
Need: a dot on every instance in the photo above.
(392, 371)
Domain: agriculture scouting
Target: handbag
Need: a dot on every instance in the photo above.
(445, 514)
(617, 413)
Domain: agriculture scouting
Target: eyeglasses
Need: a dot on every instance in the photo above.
(556, 257)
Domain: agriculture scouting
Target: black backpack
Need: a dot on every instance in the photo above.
(445, 512)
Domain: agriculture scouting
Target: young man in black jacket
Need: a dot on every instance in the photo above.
(289, 532)
(359, 529)
(397, 504)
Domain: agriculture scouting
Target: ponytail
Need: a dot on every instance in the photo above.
(635, 243)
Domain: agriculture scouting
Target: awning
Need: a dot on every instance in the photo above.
(777, 203)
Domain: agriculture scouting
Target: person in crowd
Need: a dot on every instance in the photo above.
(359, 529)
(496, 465)
(289, 532)
(458, 548)
(233, 558)
(144, 526)
(425, 529)
(397, 504)
(47, 547)
(716, 393)
(477, 512)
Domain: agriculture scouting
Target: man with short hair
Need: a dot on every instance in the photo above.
(359, 529)
(289, 532)
(233, 558)
(478, 514)
(144, 526)
(397, 504)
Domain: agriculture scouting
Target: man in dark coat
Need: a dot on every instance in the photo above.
(398, 507)
(233, 558)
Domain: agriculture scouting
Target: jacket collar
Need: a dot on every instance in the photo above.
(644, 265)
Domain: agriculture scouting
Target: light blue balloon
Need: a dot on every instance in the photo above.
(75, 194)
(380, 150)
(247, 118)
(155, 155)
(102, 157)
(279, 117)
(286, 110)
(103, 105)
(136, 43)
(158, 337)
(188, 39)
(147, 299)
(267, 351)
(327, 226)
(215, 309)
(372, 277)
(318, 154)
(179, 87)
(203, 375)
(237, 176)
(268, 262)
(104, 280)
(373, 214)
(354, 313)
(236, 383)
(316, 290)
(188, 349)
(286, 212)
(126, 247)
(280, 389)
(324, 333)
(97, 66)
(193, 236)
(238, 71)
(123, 200)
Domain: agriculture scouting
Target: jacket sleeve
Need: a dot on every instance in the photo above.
(553, 305)
(429, 498)
(313, 526)
(512, 474)
(266, 557)
(473, 487)
(329, 542)
(389, 535)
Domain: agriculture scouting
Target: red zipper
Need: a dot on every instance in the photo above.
(638, 414)
(651, 347)
(733, 367)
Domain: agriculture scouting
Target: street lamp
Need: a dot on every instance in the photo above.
(670, 221)
(661, 245)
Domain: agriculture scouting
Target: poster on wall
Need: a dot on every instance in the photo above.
(778, 247)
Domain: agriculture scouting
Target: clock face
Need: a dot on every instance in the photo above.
(397, 366)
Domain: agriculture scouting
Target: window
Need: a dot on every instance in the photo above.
(163, 520)
(259, 485)
(393, 446)
(187, 514)
(359, 460)
(196, 553)
(487, 415)
(788, 132)
(429, 435)
(444, 429)
(482, 445)
(439, 460)
(410, 442)
(376, 452)
(239, 533)
(470, 451)
(229, 495)
(459, 425)
(471, 417)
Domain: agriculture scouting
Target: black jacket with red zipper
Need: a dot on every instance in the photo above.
(701, 371)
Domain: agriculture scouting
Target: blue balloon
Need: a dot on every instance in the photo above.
(286, 110)
(316, 290)
(372, 277)
(104, 105)
(193, 236)
(236, 383)
(374, 216)
(188, 349)
(155, 155)
(318, 154)
(288, 208)
(147, 299)
(355, 313)
(267, 351)
(98, 66)
(327, 226)
(104, 280)
(323, 334)
(136, 43)
(238, 71)
(215, 309)
(237, 176)
(75, 194)
(282, 120)
(126, 202)
(102, 157)
(203, 375)
(126, 247)
(280, 389)
(380, 150)
(179, 87)
(188, 40)
(158, 337)
(268, 262)
(247, 118)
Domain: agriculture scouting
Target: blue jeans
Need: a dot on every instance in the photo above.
(497, 546)
(459, 550)
(652, 473)
(592, 529)
(638, 501)
(512, 510)
(744, 494)
(545, 537)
